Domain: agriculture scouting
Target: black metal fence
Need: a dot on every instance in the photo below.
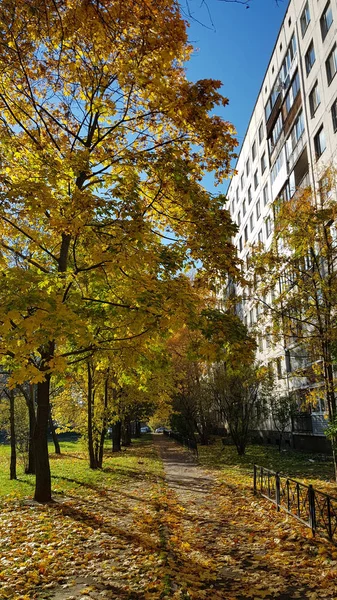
(190, 444)
(315, 509)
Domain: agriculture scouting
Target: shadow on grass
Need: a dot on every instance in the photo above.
(290, 462)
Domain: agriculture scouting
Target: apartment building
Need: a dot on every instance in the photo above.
(291, 138)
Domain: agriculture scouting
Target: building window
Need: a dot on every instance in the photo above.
(241, 182)
(240, 244)
(263, 163)
(295, 134)
(261, 133)
(326, 20)
(265, 195)
(247, 167)
(334, 115)
(258, 209)
(244, 207)
(293, 91)
(276, 132)
(251, 221)
(268, 227)
(254, 151)
(310, 57)
(246, 233)
(260, 237)
(331, 64)
(249, 194)
(237, 194)
(279, 368)
(277, 166)
(320, 143)
(232, 207)
(256, 179)
(251, 316)
(305, 19)
(239, 219)
(314, 99)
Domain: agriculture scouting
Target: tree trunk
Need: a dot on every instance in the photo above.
(43, 478)
(126, 432)
(12, 473)
(116, 436)
(92, 457)
(30, 469)
(105, 421)
(54, 434)
(137, 429)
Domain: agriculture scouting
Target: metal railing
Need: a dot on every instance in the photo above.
(313, 508)
(187, 442)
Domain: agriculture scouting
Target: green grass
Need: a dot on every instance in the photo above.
(71, 473)
(312, 468)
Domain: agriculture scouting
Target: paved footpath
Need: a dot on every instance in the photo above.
(238, 545)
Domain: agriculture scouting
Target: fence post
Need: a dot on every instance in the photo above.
(312, 515)
(278, 490)
(255, 477)
(329, 517)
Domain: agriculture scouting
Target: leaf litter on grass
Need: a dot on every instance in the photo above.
(127, 535)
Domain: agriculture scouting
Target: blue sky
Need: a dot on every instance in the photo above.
(235, 50)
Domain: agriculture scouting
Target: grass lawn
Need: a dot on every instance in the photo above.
(70, 470)
(308, 468)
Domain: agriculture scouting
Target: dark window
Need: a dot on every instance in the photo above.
(244, 207)
(258, 209)
(331, 64)
(334, 115)
(240, 244)
(310, 57)
(246, 233)
(249, 194)
(251, 222)
(326, 20)
(263, 163)
(320, 143)
(265, 195)
(314, 99)
(260, 133)
(268, 227)
(254, 151)
(305, 19)
(247, 167)
(256, 179)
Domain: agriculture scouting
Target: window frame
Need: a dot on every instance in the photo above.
(332, 55)
(258, 209)
(313, 108)
(309, 65)
(334, 115)
(304, 20)
(324, 24)
(317, 142)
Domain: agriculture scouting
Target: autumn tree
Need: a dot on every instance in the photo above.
(299, 272)
(104, 144)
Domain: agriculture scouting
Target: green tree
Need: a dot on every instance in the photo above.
(299, 271)
(104, 145)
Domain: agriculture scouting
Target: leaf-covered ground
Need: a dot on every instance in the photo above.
(136, 532)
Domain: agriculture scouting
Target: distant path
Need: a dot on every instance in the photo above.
(182, 471)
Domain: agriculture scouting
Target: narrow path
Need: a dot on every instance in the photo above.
(223, 543)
